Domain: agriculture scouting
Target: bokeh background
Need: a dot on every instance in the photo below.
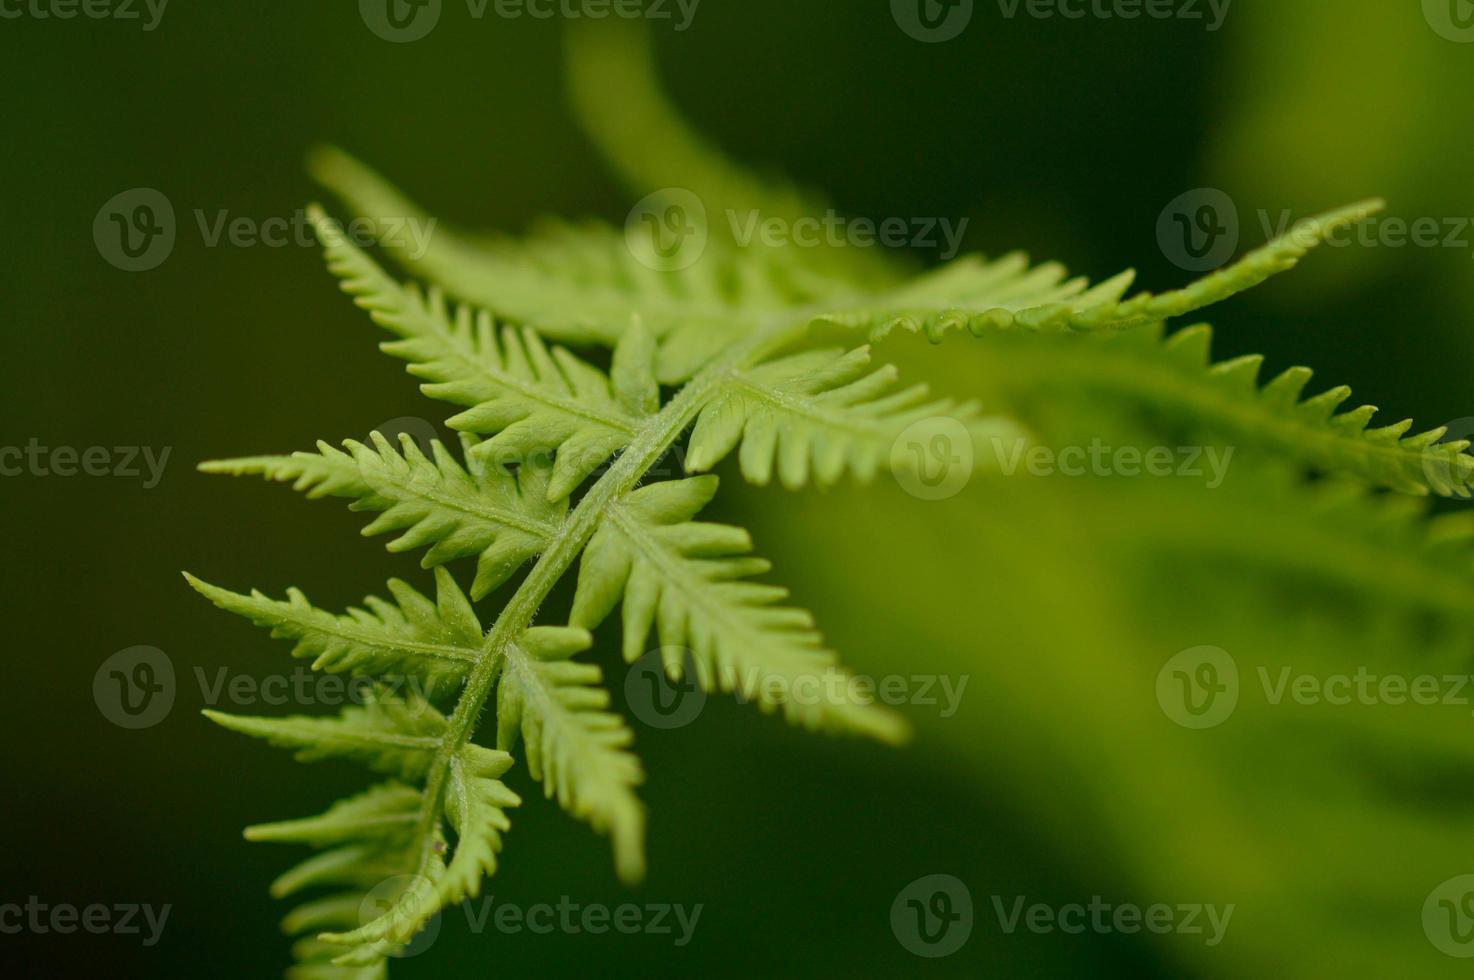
(1063, 137)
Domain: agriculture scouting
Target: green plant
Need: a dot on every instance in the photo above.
(556, 452)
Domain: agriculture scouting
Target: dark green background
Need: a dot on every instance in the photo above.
(1065, 138)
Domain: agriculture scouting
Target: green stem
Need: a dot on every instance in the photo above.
(652, 442)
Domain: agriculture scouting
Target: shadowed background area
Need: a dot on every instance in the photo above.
(1064, 137)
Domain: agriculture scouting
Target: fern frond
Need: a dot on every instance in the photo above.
(370, 838)
(438, 641)
(982, 297)
(1178, 376)
(386, 810)
(529, 398)
(1384, 549)
(578, 284)
(393, 736)
(819, 414)
(456, 511)
(576, 747)
(686, 580)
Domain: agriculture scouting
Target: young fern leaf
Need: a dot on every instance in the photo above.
(1227, 399)
(532, 399)
(1382, 548)
(456, 511)
(386, 810)
(577, 751)
(685, 579)
(981, 297)
(401, 737)
(577, 748)
(436, 642)
(819, 414)
(580, 285)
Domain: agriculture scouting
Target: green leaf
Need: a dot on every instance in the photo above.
(480, 509)
(530, 398)
(437, 640)
(576, 284)
(391, 735)
(386, 810)
(1226, 399)
(983, 297)
(576, 747)
(816, 415)
(687, 580)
